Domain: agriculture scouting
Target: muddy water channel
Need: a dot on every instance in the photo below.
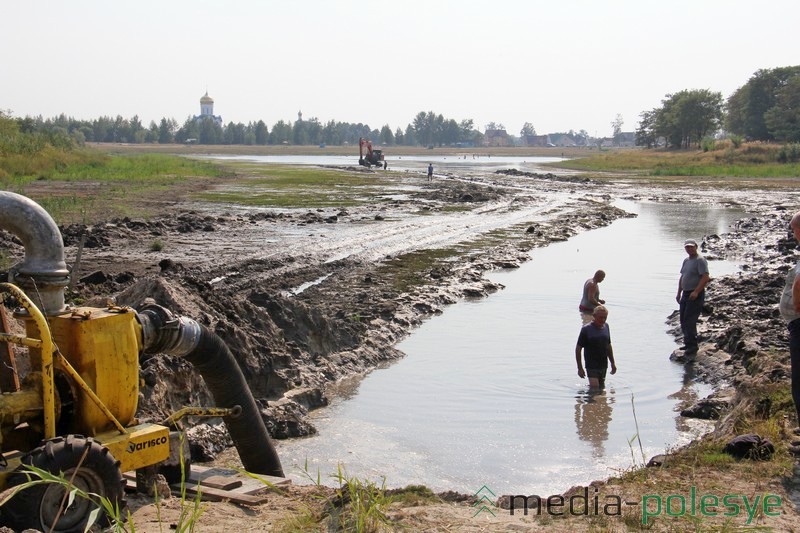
(489, 394)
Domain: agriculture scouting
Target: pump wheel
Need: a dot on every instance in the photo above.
(39, 506)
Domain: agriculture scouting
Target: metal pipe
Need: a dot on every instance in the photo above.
(164, 333)
(43, 273)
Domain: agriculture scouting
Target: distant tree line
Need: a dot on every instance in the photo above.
(766, 108)
(427, 128)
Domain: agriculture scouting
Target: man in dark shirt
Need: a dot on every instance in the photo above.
(595, 342)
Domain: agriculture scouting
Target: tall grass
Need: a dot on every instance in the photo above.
(356, 506)
(717, 159)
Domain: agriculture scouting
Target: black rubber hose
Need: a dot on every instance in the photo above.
(215, 362)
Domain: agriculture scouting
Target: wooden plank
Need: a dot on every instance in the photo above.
(217, 495)
(249, 485)
(217, 484)
(9, 379)
(221, 482)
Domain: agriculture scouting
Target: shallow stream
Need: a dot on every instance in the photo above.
(488, 392)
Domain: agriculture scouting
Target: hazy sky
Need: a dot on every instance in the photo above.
(561, 64)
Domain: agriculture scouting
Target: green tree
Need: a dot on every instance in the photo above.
(527, 129)
(450, 132)
(783, 118)
(646, 132)
(387, 137)
(281, 133)
(262, 133)
(299, 133)
(748, 105)
(210, 132)
(165, 131)
(423, 127)
(136, 130)
(9, 130)
(399, 138)
(313, 131)
(687, 116)
(410, 136)
(616, 128)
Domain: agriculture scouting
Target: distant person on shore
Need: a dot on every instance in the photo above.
(430, 171)
(790, 312)
(691, 295)
(595, 342)
(591, 294)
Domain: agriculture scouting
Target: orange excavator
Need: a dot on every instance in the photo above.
(367, 156)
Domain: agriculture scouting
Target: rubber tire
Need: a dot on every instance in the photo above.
(36, 507)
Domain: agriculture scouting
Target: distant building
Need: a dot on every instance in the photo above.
(496, 138)
(562, 140)
(536, 140)
(626, 139)
(207, 110)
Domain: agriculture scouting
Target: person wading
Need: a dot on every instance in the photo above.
(591, 295)
(595, 342)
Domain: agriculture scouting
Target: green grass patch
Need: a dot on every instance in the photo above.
(84, 186)
(271, 186)
(411, 270)
(413, 495)
(736, 171)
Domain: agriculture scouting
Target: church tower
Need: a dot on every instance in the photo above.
(206, 106)
(207, 110)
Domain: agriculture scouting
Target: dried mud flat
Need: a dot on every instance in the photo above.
(305, 297)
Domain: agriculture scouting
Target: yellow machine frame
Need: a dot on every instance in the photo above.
(98, 350)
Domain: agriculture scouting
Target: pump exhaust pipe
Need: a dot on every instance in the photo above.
(182, 336)
(43, 273)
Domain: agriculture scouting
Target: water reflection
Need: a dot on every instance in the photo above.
(592, 417)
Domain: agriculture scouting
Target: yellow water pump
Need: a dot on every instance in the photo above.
(74, 412)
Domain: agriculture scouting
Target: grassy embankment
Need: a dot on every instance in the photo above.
(721, 165)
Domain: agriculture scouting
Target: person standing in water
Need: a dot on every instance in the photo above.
(594, 341)
(591, 293)
(430, 171)
(691, 294)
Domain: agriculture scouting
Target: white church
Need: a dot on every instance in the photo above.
(207, 110)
